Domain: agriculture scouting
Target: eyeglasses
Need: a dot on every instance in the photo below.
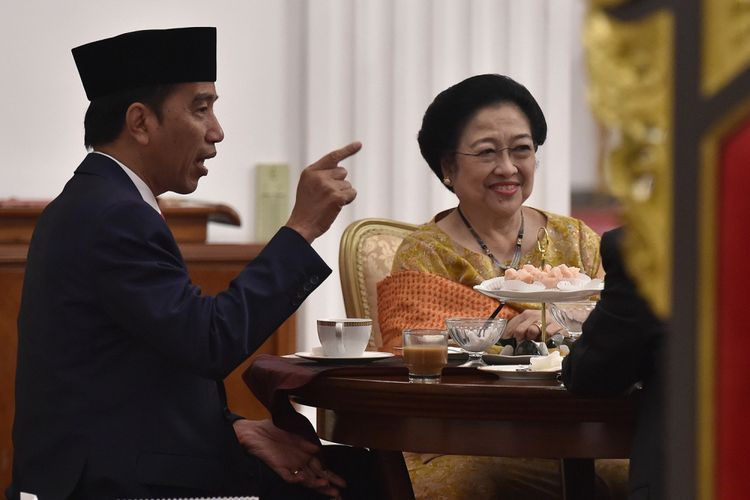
(517, 154)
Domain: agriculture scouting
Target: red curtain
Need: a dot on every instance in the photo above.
(733, 334)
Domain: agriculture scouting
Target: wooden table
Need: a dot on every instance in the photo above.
(473, 413)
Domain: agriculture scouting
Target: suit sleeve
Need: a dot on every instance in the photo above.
(144, 286)
(620, 337)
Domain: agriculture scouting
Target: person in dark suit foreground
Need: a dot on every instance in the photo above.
(620, 347)
(119, 389)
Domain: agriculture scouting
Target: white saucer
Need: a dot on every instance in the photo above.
(366, 357)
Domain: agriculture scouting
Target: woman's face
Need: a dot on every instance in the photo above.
(493, 168)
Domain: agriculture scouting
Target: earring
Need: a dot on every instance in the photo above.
(447, 181)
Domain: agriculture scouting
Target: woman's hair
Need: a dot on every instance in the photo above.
(452, 109)
(105, 116)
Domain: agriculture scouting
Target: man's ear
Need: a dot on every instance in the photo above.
(139, 122)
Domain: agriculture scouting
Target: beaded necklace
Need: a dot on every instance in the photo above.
(516, 253)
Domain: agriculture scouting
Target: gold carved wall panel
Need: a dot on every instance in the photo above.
(631, 93)
(726, 42)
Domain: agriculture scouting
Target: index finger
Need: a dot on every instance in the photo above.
(332, 159)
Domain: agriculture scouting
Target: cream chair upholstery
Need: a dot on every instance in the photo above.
(365, 258)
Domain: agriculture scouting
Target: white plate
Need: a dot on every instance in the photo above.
(366, 357)
(519, 372)
(549, 295)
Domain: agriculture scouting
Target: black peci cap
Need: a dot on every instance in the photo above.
(147, 57)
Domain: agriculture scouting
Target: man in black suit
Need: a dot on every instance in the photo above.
(620, 347)
(120, 357)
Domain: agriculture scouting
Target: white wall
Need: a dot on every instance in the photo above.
(42, 134)
(298, 78)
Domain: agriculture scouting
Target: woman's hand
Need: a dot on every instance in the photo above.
(290, 456)
(528, 326)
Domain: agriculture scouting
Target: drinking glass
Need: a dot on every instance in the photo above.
(475, 335)
(571, 315)
(425, 354)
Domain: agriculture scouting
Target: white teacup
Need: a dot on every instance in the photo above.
(345, 337)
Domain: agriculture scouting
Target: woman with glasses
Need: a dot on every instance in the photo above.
(480, 137)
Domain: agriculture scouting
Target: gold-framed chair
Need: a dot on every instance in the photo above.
(365, 257)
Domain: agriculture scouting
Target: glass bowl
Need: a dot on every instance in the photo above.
(475, 335)
(571, 315)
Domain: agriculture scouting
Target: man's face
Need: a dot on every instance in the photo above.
(183, 139)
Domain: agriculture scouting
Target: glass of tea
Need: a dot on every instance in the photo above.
(425, 354)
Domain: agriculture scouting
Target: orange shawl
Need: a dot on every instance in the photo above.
(412, 299)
